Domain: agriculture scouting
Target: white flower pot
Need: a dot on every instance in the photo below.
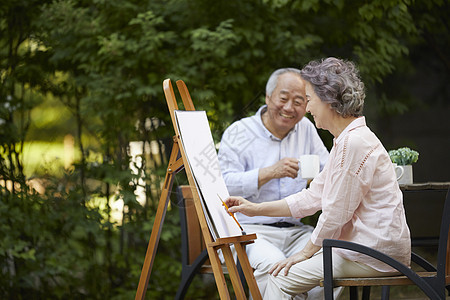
(404, 174)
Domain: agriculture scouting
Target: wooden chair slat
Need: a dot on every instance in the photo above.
(378, 281)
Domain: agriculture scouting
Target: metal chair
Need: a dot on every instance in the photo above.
(433, 281)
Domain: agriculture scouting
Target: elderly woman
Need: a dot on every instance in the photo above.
(357, 190)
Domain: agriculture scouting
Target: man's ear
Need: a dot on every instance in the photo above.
(267, 100)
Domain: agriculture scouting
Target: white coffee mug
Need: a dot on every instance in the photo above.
(399, 171)
(309, 166)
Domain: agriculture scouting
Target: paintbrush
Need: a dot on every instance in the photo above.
(232, 215)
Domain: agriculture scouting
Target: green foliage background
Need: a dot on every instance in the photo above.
(94, 69)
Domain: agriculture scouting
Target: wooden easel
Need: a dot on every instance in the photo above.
(177, 162)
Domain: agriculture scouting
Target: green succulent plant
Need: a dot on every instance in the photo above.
(403, 156)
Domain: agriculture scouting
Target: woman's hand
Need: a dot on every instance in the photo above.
(277, 208)
(239, 204)
(287, 263)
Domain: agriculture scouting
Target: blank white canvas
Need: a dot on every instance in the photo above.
(199, 147)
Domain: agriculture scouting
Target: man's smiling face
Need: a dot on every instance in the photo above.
(287, 104)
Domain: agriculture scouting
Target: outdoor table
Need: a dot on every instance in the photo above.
(425, 186)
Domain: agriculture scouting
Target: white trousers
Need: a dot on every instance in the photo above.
(306, 275)
(274, 244)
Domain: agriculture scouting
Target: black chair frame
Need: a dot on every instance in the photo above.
(433, 287)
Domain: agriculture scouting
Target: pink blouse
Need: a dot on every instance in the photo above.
(360, 199)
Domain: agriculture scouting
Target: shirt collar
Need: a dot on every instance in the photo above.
(359, 122)
(258, 115)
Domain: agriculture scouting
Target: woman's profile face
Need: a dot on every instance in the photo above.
(319, 110)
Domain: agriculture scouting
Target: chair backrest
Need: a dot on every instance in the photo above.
(192, 242)
(443, 265)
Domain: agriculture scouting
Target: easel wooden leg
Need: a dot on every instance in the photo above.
(248, 272)
(157, 226)
(232, 270)
(218, 273)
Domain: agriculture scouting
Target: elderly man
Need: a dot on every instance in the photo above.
(259, 155)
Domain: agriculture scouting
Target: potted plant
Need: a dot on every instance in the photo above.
(403, 158)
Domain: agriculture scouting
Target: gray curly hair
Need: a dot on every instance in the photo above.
(337, 82)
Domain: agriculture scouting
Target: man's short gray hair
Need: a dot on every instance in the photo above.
(337, 82)
(273, 79)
